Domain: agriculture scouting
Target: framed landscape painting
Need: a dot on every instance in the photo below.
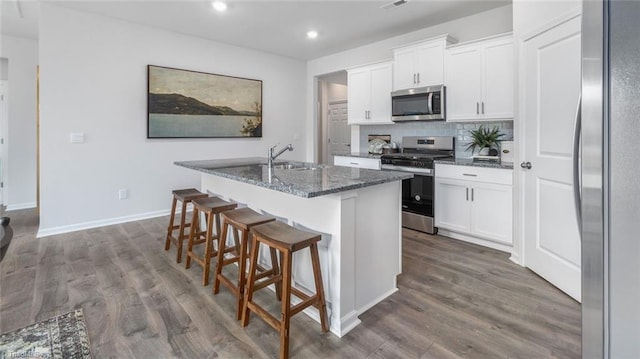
(189, 104)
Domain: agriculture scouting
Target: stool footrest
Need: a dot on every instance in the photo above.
(270, 319)
(303, 305)
(232, 286)
(267, 282)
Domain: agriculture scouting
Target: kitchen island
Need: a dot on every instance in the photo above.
(356, 210)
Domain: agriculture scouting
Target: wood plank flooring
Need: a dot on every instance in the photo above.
(455, 300)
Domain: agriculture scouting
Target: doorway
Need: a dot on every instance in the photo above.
(334, 134)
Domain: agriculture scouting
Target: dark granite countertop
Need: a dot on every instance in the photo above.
(359, 154)
(471, 162)
(304, 180)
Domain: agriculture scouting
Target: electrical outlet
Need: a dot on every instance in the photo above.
(123, 193)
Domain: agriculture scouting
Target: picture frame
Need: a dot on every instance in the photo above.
(192, 104)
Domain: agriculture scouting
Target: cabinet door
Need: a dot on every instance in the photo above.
(464, 83)
(404, 69)
(380, 104)
(430, 67)
(491, 214)
(452, 205)
(359, 95)
(498, 82)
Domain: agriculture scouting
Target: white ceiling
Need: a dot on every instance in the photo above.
(277, 27)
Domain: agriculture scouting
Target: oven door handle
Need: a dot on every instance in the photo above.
(415, 171)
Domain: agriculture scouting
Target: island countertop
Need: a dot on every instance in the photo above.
(304, 179)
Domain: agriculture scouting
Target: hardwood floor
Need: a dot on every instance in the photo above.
(454, 300)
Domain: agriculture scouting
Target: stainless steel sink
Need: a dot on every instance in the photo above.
(296, 166)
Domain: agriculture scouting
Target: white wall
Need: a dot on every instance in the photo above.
(93, 80)
(20, 160)
(492, 22)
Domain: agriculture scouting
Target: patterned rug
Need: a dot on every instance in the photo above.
(64, 336)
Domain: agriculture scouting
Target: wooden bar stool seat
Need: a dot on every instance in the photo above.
(242, 219)
(211, 207)
(286, 240)
(185, 196)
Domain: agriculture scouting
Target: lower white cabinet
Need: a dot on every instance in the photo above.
(358, 162)
(476, 203)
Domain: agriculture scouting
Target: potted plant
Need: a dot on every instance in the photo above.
(484, 139)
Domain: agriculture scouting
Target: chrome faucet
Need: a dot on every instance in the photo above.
(272, 157)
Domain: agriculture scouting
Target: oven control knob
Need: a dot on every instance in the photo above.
(417, 198)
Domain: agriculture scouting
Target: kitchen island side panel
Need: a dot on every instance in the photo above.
(359, 254)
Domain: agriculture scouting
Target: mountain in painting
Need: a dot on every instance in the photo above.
(176, 104)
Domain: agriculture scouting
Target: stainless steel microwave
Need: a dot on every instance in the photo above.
(418, 104)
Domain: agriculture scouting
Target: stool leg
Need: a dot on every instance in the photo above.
(181, 233)
(317, 276)
(167, 243)
(208, 248)
(250, 281)
(242, 267)
(192, 234)
(276, 270)
(286, 304)
(221, 248)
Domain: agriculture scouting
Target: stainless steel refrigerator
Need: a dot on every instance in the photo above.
(610, 175)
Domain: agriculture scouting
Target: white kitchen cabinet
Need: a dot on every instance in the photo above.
(475, 204)
(369, 94)
(480, 80)
(420, 64)
(357, 162)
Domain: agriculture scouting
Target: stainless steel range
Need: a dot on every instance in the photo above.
(417, 157)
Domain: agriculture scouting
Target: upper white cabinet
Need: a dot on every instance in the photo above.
(420, 64)
(369, 94)
(480, 80)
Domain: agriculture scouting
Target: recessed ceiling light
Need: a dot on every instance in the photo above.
(312, 34)
(219, 6)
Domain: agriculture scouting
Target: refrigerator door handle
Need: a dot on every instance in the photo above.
(577, 132)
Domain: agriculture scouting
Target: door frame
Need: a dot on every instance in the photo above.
(4, 139)
(325, 137)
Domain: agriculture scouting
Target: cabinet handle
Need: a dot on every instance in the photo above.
(467, 193)
(354, 163)
(470, 174)
(477, 108)
(483, 107)
(414, 79)
(418, 78)
(472, 195)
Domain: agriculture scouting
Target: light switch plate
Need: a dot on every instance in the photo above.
(76, 137)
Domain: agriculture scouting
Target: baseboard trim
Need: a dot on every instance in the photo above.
(475, 240)
(45, 232)
(19, 206)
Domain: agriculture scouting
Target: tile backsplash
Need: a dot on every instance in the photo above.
(455, 129)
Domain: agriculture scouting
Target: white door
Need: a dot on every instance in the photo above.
(430, 65)
(404, 67)
(551, 75)
(464, 83)
(380, 104)
(339, 140)
(499, 78)
(359, 94)
(452, 204)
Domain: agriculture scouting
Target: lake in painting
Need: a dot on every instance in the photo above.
(166, 125)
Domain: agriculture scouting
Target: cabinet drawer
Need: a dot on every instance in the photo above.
(477, 174)
(359, 162)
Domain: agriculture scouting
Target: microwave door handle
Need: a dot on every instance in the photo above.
(430, 103)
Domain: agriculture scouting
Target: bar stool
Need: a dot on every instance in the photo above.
(211, 207)
(185, 196)
(287, 240)
(242, 219)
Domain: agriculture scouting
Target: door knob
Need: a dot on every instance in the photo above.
(526, 165)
